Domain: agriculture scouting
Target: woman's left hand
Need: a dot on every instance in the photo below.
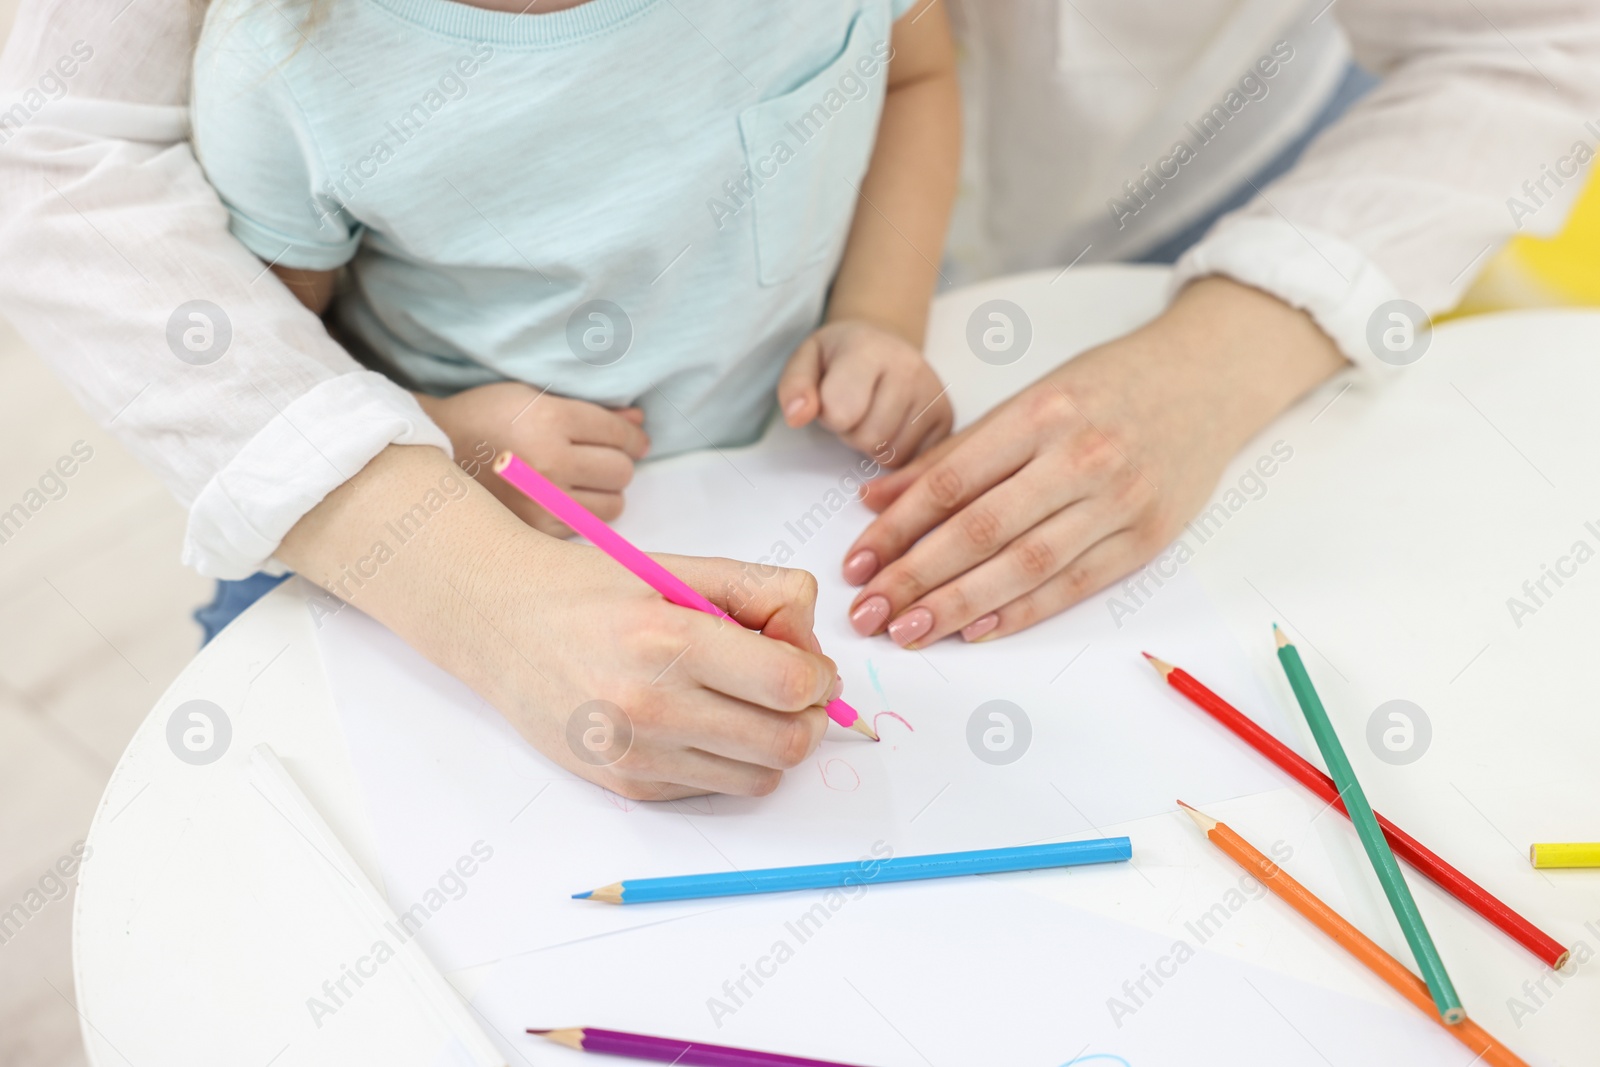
(1082, 476)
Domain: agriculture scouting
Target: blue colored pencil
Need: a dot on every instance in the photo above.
(863, 872)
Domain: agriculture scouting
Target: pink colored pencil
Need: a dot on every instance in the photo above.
(552, 498)
(666, 1050)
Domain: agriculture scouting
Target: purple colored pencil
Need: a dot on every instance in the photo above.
(669, 1050)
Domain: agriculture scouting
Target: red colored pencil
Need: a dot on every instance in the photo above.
(1404, 845)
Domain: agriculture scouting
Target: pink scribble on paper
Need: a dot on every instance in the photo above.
(893, 715)
(824, 768)
(883, 698)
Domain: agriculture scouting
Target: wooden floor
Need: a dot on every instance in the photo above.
(94, 624)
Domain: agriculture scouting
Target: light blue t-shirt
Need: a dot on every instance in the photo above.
(629, 202)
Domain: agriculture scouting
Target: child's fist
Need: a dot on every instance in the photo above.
(584, 448)
(869, 386)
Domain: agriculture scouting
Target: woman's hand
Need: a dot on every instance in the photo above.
(655, 701)
(553, 634)
(1084, 475)
(868, 385)
(584, 448)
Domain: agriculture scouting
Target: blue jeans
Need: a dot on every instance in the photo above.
(231, 599)
(1352, 87)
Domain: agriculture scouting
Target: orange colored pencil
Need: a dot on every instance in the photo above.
(1405, 846)
(1489, 1050)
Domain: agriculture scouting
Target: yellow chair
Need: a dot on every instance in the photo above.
(1559, 271)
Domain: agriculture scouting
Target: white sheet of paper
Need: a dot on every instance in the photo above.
(1109, 742)
(972, 973)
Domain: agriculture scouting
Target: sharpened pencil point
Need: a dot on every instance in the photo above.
(579, 896)
(1162, 667)
(1281, 637)
(861, 726)
(570, 1037)
(1201, 819)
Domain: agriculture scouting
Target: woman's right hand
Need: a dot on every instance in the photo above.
(552, 634)
(656, 701)
(586, 449)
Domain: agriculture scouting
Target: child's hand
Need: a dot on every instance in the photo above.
(584, 448)
(869, 386)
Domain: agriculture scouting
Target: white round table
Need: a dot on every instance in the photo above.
(1392, 539)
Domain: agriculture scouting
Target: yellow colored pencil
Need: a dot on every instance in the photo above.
(1565, 854)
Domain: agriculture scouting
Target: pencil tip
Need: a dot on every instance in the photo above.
(1201, 819)
(583, 896)
(1162, 667)
(572, 1037)
(1281, 637)
(861, 726)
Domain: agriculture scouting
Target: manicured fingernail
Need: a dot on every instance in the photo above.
(869, 615)
(836, 691)
(860, 567)
(974, 630)
(910, 626)
(794, 407)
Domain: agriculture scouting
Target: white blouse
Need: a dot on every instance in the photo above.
(117, 266)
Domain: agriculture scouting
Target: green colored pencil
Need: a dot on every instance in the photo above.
(1383, 861)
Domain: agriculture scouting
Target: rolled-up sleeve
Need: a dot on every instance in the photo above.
(1486, 116)
(121, 273)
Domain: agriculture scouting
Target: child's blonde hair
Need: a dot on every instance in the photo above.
(315, 10)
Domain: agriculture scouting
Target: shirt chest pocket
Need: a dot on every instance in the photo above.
(807, 151)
